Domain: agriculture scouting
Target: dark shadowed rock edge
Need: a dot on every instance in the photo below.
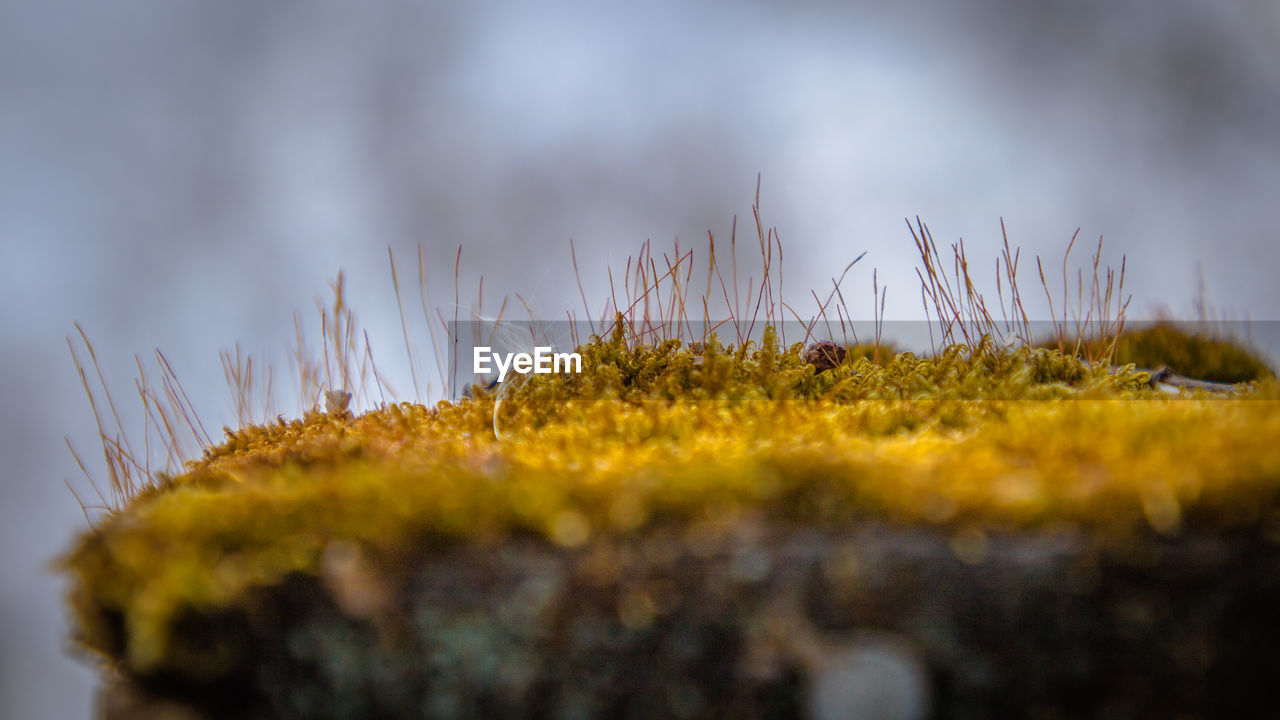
(753, 621)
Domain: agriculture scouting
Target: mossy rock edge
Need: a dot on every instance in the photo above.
(712, 532)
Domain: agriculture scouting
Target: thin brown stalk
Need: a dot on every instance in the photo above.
(88, 476)
(573, 255)
(179, 400)
(93, 357)
(404, 324)
(453, 336)
(729, 307)
(436, 352)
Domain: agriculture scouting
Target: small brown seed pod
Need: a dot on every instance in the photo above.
(825, 355)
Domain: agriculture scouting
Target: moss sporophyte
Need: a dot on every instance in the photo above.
(663, 433)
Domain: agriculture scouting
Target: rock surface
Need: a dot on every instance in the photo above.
(752, 620)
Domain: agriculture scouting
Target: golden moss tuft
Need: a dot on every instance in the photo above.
(663, 435)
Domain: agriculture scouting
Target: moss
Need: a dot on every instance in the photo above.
(1200, 355)
(1191, 354)
(652, 436)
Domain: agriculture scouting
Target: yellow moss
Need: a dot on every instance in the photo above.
(655, 436)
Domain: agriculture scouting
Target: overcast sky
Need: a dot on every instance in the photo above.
(187, 175)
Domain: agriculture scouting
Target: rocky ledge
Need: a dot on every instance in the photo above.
(748, 620)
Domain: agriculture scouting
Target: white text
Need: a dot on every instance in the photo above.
(542, 361)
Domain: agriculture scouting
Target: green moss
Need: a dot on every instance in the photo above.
(1198, 355)
(663, 436)
(1190, 354)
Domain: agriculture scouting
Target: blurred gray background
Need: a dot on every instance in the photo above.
(188, 174)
